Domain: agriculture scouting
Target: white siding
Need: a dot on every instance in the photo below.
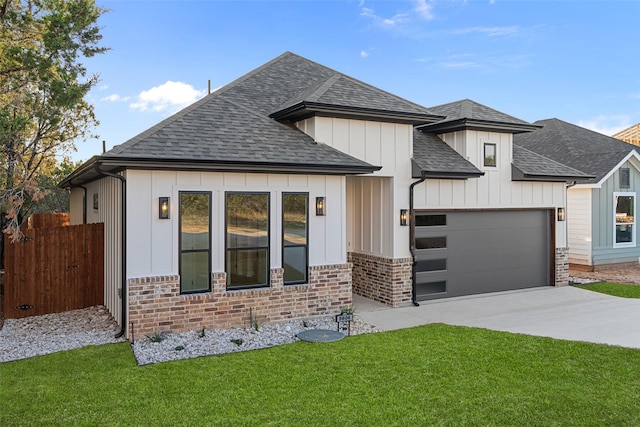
(153, 243)
(579, 225)
(76, 200)
(108, 212)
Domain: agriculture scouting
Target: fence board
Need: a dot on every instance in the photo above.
(54, 269)
(45, 220)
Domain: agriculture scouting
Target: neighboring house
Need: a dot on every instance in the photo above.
(285, 191)
(630, 135)
(601, 212)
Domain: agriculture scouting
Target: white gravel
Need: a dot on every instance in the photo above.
(38, 335)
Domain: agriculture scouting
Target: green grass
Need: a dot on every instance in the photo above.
(615, 289)
(430, 375)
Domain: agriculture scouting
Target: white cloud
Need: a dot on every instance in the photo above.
(490, 31)
(607, 125)
(104, 87)
(168, 97)
(424, 9)
(115, 98)
(364, 54)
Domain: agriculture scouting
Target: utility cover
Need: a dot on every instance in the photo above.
(320, 335)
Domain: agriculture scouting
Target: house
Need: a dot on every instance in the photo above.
(600, 211)
(630, 135)
(295, 186)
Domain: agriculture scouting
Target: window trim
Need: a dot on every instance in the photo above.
(180, 251)
(306, 245)
(268, 247)
(615, 223)
(485, 145)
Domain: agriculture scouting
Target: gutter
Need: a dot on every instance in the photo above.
(412, 235)
(123, 254)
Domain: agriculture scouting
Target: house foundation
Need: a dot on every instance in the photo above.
(156, 305)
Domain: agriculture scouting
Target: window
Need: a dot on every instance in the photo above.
(430, 220)
(295, 235)
(490, 155)
(625, 178)
(247, 240)
(624, 221)
(195, 242)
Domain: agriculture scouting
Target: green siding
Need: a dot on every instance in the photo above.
(602, 219)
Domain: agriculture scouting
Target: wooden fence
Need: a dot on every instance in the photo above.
(54, 269)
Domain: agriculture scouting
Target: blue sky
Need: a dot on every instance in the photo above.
(574, 60)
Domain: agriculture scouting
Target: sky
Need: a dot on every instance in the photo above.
(578, 61)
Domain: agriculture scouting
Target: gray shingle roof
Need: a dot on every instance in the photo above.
(433, 157)
(534, 166)
(468, 114)
(575, 146)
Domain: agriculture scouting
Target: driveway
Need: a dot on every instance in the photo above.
(565, 312)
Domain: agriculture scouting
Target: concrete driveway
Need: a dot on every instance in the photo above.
(565, 312)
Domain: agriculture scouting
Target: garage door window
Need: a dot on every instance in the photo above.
(431, 220)
(624, 208)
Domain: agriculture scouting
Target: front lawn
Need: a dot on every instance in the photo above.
(429, 375)
(615, 289)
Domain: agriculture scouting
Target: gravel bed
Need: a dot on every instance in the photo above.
(219, 341)
(39, 335)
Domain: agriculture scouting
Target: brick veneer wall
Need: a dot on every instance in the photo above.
(386, 280)
(562, 266)
(155, 303)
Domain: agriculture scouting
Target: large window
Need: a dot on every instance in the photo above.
(295, 237)
(247, 240)
(624, 220)
(195, 242)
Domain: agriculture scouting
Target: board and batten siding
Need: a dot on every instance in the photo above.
(389, 145)
(602, 226)
(579, 217)
(108, 212)
(154, 243)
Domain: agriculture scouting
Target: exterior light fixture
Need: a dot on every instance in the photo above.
(561, 214)
(320, 206)
(163, 207)
(404, 215)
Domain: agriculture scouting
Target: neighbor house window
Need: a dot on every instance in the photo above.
(490, 155)
(247, 240)
(625, 178)
(295, 237)
(624, 220)
(195, 242)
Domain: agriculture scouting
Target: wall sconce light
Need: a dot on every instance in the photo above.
(320, 206)
(163, 207)
(561, 214)
(404, 215)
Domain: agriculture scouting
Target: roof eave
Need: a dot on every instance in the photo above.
(481, 125)
(305, 109)
(518, 175)
(86, 173)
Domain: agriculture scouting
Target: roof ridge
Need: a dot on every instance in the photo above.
(324, 87)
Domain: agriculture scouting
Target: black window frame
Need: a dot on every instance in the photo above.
(495, 155)
(306, 245)
(180, 251)
(226, 241)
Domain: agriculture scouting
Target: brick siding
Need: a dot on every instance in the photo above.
(155, 303)
(386, 280)
(562, 266)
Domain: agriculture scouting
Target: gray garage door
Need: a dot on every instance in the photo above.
(471, 252)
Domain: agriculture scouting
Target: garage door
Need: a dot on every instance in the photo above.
(462, 253)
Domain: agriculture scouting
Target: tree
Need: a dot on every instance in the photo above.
(42, 87)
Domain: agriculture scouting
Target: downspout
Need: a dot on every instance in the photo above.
(84, 204)
(412, 235)
(123, 254)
